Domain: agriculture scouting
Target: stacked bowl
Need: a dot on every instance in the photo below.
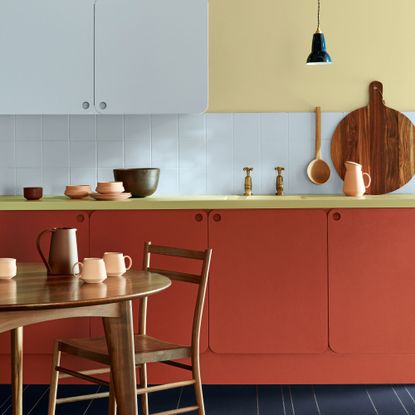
(110, 191)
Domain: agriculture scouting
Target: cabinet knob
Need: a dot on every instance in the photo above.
(85, 105)
(217, 217)
(102, 105)
(80, 218)
(198, 217)
(337, 216)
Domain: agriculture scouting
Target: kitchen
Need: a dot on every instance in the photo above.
(260, 113)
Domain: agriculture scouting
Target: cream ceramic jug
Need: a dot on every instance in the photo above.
(354, 184)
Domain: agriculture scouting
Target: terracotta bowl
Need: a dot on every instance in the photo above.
(33, 193)
(78, 191)
(110, 187)
(140, 182)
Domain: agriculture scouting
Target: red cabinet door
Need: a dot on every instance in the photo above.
(18, 233)
(170, 312)
(372, 280)
(268, 287)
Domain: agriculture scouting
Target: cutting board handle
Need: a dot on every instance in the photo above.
(376, 94)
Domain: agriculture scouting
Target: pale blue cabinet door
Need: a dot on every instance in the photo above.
(151, 56)
(46, 50)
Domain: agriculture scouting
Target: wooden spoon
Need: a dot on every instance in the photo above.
(318, 171)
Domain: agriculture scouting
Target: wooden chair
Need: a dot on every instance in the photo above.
(147, 349)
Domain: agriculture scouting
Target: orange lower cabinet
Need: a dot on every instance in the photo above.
(18, 233)
(268, 286)
(372, 280)
(170, 313)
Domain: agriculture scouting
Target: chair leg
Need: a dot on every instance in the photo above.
(54, 379)
(198, 385)
(143, 384)
(112, 403)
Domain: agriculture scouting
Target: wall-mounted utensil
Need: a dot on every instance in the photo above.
(379, 138)
(318, 171)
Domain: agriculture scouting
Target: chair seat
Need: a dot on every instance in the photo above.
(147, 349)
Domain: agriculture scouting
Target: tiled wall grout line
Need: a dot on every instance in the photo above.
(206, 152)
(151, 141)
(96, 149)
(14, 153)
(42, 146)
(179, 173)
(123, 140)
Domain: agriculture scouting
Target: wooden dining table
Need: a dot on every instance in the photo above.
(33, 297)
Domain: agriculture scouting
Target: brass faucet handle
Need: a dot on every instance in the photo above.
(280, 181)
(248, 170)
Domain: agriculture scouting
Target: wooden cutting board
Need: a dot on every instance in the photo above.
(379, 138)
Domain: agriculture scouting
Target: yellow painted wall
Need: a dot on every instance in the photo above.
(258, 50)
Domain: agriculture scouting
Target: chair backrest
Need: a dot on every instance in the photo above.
(200, 279)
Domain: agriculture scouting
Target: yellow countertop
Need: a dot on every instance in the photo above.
(213, 202)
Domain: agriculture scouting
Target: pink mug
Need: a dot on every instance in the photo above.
(115, 263)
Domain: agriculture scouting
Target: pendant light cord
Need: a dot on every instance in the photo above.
(318, 16)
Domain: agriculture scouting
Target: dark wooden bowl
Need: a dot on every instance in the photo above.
(140, 182)
(33, 193)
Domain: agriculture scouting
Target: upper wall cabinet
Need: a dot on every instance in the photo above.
(151, 56)
(105, 56)
(46, 49)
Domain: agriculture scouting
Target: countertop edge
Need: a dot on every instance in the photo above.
(16, 203)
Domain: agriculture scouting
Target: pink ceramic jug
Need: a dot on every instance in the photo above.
(354, 184)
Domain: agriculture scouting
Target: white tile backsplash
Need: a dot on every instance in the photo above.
(110, 127)
(137, 153)
(7, 181)
(6, 127)
(137, 127)
(82, 127)
(28, 127)
(28, 154)
(56, 154)
(110, 154)
(26, 177)
(83, 154)
(197, 154)
(55, 179)
(165, 141)
(7, 154)
(56, 127)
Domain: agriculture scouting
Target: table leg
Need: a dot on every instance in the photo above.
(17, 370)
(120, 340)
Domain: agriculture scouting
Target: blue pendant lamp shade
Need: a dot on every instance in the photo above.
(319, 54)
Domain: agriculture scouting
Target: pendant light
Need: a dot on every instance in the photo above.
(318, 55)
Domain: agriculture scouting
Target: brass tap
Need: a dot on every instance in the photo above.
(248, 181)
(280, 181)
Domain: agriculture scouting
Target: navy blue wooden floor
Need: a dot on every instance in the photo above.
(242, 400)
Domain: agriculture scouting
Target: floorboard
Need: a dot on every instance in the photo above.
(240, 400)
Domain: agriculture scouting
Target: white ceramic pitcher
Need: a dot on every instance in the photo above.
(354, 184)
